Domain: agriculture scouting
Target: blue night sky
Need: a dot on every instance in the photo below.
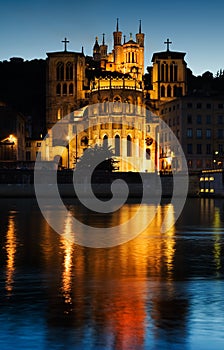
(29, 29)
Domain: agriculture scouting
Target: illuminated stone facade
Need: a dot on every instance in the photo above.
(127, 57)
(65, 84)
(169, 75)
(116, 114)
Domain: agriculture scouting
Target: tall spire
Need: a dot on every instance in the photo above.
(117, 35)
(103, 43)
(140, 26)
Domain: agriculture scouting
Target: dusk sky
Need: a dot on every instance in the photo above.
(29, 29)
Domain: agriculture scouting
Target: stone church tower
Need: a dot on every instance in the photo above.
(65, 83)
(169, 73)
(126, 57)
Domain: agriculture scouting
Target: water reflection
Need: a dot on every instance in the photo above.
(67, 247)
(147, 293)
(10, 246)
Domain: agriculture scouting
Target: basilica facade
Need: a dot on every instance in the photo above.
(103, 99)
(107, 108)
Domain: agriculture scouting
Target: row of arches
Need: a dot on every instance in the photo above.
(169, 72)
(64, 110)
(169, 91)
(64, 89)
(131, 57)
(64, 71)
(117, 145)
(117, 148)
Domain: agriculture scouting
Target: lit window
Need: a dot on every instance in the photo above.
(211, 178)
(202, 179)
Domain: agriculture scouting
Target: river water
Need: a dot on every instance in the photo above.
(157, 291)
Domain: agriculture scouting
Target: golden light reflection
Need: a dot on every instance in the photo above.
(217, 242)
(11, 252)
(68, 248)
(162, 245)
(169, 242)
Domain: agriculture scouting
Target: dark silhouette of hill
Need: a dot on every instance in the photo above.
(205, 84)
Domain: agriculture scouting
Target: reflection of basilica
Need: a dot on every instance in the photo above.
(121, 297)
(116, 292)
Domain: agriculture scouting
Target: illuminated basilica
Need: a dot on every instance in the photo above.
(105, 99)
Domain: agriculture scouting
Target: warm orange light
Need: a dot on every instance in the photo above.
(12, 138)
(11, 251)
(67, 264)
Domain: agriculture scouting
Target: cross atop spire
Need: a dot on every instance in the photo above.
(65, 42)
(168, 42)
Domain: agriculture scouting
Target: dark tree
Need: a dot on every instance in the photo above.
(97, 158)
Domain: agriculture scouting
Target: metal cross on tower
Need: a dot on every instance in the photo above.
(168, 42)
(65, 41)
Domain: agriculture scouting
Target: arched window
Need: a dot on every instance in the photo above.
(84, 141)
(162, 91)
(175, 91)
(60, 71)
(59, 113)
(70, 89)
(133, 57)
(64, 90)
(117, 107)
(168, 91)
(171, 72)
(69, 71)
(58, 89)
(167, 73)
(127, 105)
(162, 72)
(148, 153)
(105, 105)
(117, 145)
(105, 141)
(175, 72)
(129, 146)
